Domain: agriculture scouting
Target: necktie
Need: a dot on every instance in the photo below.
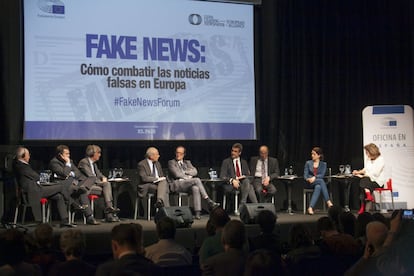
(153, 169)
(93, 169)
(238, 174)
(181, 165)
(263, 170)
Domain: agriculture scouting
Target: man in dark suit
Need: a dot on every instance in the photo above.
(127, 249)
(66, 173)
(265, 169)
(232, 260)
(29, 181)
(89, 168)
(236, 172)
(183, 179)
(152, 178)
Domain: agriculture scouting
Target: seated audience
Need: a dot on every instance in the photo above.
(360, 228)
(267, 239)
(127, 249)
(263, 262)
(367, 265)
(264, 170)
(212, 245)
(397, 258)
(232, 260)
(301, 249)
(13, 255)
(44, 254)
(314, 172)
(72, 244)
(342, 248)
(167, 252)
(347, 222)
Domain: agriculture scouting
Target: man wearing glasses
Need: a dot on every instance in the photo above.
(183, 175)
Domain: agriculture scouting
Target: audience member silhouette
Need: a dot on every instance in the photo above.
(232, 260)
(167, 252)
(212, 245)
(72, 244)
(126, 242)
(267, 239)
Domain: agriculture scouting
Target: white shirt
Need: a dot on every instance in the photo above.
(374, 169)
(152, 165)
(258, 172)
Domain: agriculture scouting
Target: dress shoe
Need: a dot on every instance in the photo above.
(212, 204)
(197, 215)
(159, 204)
(91, 221)
(75, 207)
(67, 225)
(111, 218)
(310, 211)
(111, 210)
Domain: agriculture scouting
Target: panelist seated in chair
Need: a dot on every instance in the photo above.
(372, 176)
(265, 169)
(66, 173)
(314, 172)
(29, 181)
(236, 171)
(88, 166)
(152, 178)
(184, 179)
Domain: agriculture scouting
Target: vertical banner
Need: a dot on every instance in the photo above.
(391, 128)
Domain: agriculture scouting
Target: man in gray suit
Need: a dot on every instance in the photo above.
(152, 178)
(183, 179)
(264, 169)
(89, 168)
(236, 172)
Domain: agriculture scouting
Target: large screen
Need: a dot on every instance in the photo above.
(138, 70)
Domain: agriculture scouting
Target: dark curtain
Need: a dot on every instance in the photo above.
(322, 63)
(318, 64)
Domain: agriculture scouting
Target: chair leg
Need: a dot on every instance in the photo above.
(273, 199)
(48, 213)
(136, 208)
(16, 213)
(304, 203)
(236, 202)
(392, 200)
(24, 213)
(224, 201)
(179, 199)
(149, 207)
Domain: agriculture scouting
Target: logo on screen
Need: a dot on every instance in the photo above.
(52, 6)
(389, 122)
(195, 19)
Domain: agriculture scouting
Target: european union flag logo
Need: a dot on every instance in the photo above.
(392, 123)
(58, 9)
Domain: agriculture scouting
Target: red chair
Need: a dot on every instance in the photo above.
(385, 189)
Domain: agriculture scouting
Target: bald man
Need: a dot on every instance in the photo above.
(264, 169)
(152, 178)
(376, 233)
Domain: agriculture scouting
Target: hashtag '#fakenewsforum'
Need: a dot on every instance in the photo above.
(116, 101)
